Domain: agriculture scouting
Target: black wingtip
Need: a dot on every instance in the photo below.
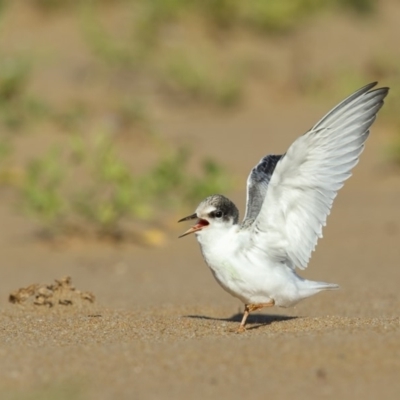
(367, 88)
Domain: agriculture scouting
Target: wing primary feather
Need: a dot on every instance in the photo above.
(299, 193)
(348, 100)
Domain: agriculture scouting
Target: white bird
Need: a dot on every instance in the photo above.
(288, 200)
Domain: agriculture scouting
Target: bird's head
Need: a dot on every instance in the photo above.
(213, 212)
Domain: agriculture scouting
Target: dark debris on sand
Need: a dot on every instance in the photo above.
(59, 293)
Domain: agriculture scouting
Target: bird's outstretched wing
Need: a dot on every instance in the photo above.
(257, 184)
(306, 180)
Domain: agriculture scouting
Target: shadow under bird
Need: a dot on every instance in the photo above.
(289, 197)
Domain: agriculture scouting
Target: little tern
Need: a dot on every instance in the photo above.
(289, 197)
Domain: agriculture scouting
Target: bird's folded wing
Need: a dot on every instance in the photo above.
(306, 180)
(257, 185)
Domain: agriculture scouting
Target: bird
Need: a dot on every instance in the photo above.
(289, 197)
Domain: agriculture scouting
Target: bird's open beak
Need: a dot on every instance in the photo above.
(200, 224)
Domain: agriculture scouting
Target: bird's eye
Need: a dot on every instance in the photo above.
(218, 214)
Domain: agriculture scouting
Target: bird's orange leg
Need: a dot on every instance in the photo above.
(248, 308)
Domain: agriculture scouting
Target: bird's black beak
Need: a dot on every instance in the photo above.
(200, 224)
(193, 216)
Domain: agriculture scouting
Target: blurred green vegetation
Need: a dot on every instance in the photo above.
(181, 50)
(198, 72)
(110, 191)
(17, 107)
(267, 16)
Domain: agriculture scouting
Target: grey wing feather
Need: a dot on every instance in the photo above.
(257, 185)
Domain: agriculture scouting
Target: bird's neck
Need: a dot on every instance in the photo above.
(216, 238)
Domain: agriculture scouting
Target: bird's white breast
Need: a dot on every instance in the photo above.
(218, 247)
(224, 252)
(246, 271)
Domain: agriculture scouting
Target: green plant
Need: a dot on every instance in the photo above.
(195, 77)
(130, 116)
(62, 5)
(276, 15)
(170, 183)
(14, 74)
(393, 150)
(167, 177)
(41, 189)
(51, 5)
(116, 52)
(16, 105)
(214, 179)
(72, 116)
(359, 6)
(5, 151)
(111, 193)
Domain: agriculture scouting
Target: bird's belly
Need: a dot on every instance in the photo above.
(241, 280)
(253, 283)
(231, 280)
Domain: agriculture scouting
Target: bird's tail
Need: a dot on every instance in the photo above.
(327, 286)
(319, 286)
(309, 288)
